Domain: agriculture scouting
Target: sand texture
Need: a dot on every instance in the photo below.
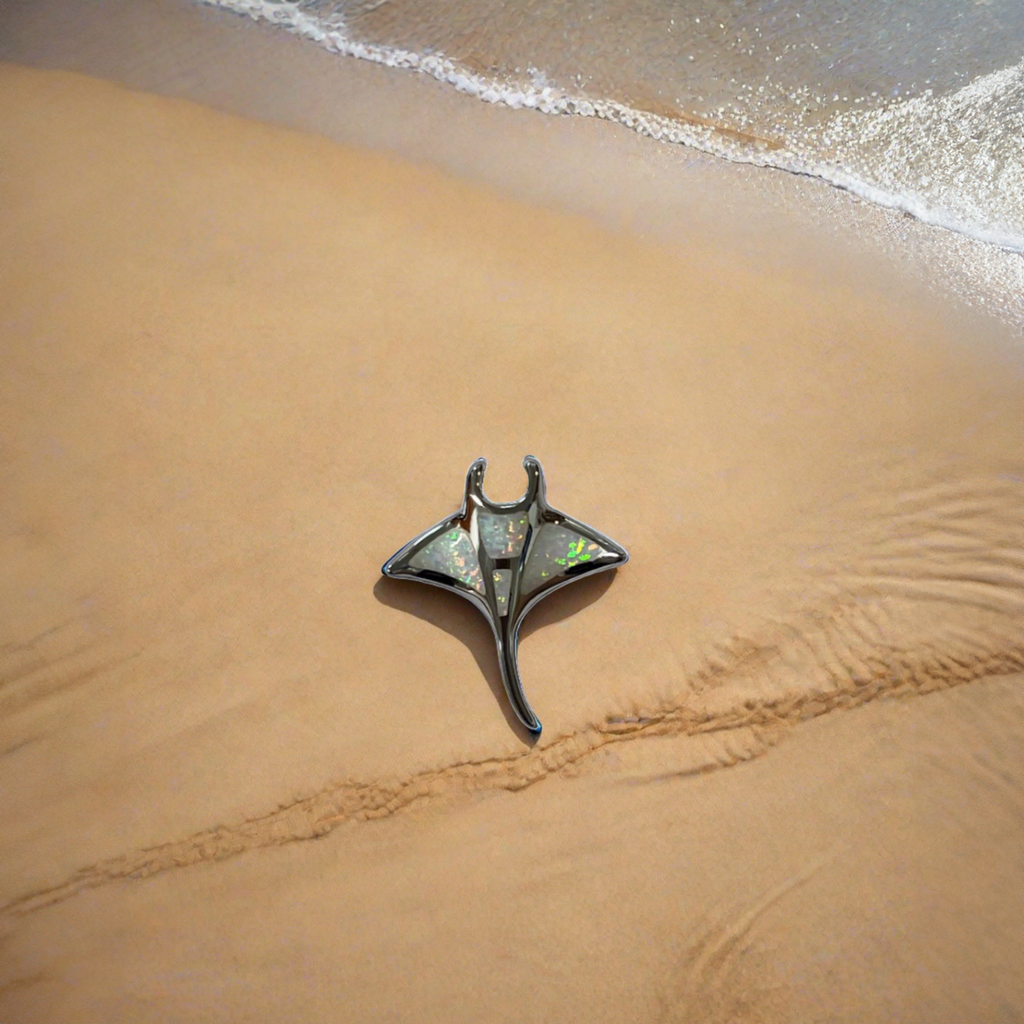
(601, 170)
(247, 779)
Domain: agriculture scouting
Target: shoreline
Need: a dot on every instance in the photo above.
(716, 140)
(763, 216)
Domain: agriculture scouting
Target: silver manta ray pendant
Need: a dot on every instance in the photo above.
(505, 557)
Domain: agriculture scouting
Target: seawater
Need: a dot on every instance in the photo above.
(913, 104)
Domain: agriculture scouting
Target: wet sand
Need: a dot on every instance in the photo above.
(780, 777)
(603, 171)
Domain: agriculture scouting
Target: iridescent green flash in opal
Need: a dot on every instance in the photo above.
(453, 555)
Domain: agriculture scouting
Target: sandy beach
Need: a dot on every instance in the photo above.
(247, 779)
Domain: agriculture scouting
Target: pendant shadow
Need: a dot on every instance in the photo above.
(461, 620)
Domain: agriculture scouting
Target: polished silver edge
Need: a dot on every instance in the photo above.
(504, 627)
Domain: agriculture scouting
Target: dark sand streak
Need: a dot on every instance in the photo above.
(318, 815)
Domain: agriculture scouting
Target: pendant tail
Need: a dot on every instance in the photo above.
(508, 651)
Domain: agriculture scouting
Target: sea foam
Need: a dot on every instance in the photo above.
(954, 161)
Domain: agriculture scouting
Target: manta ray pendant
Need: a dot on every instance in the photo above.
(505, 557)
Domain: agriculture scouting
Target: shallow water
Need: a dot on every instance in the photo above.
(914, 104)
